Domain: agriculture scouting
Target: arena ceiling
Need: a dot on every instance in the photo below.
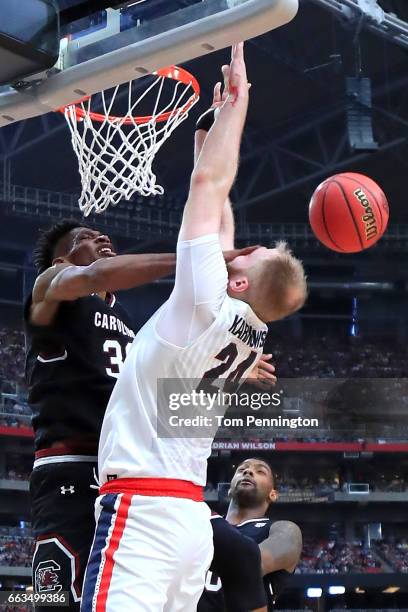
(296, 133)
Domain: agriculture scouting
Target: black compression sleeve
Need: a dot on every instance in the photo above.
(206, 120)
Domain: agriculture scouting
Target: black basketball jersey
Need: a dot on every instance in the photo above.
(72, 366)
(212, 599)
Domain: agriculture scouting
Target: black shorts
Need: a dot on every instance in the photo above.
(62, 507)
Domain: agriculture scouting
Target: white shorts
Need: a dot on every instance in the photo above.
(150, 554)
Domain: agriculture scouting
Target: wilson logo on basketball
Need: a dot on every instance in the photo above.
(341, 215)
(368, 217)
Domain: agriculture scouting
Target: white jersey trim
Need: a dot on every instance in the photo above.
(65, 459)
(257, 520)
(59, 358)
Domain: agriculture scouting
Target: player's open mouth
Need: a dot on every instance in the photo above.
(106, 252)
(246, 482)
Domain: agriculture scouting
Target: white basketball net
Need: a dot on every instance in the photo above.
(116, 154)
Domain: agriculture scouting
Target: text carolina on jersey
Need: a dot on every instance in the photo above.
(111, 322)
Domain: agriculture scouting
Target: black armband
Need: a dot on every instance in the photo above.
(206, 120)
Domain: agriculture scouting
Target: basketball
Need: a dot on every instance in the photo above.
(348, 212)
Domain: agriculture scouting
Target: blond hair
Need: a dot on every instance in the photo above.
(275, 281)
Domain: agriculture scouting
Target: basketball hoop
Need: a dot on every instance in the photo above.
(115, 151)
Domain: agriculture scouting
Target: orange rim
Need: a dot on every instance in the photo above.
(170, 72)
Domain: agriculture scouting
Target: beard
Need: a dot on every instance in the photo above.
(247, 498)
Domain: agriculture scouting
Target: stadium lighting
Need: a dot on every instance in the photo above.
(337, 590)
(359, 590)
(391, 589)
(313, 592)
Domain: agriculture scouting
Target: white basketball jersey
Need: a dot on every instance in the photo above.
(232, 343)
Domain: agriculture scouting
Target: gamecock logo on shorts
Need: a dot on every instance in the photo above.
(47, 577)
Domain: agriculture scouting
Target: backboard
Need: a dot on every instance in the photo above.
(108, 42)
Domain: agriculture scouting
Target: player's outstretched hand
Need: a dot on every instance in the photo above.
(262, 375)
(221, 90)
(230, 255)
(235, 84)
(238, 85)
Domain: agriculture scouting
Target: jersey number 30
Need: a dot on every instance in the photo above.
(117, 355)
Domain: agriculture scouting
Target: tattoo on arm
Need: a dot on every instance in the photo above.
(282, 549)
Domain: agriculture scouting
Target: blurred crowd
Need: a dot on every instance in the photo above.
(14, 410)
(328, 356)
(323, 556)
(16, 466)
(312, 356)
(326, 482)
(10, 420)
(395, 553)
(16, 551)
(319, 482)
(337, 557)
(323, 356)
(11, 360)
(17, 473)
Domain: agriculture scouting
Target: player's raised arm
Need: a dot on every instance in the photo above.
(201, 275)
(282, 549)
(203, 126)
(217, 164)
(67, 282)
